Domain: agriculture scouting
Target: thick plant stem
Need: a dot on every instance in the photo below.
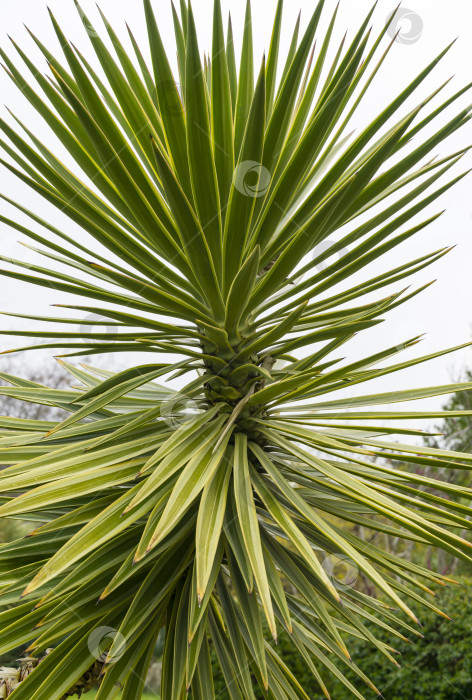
(11, 678)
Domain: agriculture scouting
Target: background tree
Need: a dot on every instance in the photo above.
(46, 373)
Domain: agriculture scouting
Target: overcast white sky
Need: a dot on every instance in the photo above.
(444, 310)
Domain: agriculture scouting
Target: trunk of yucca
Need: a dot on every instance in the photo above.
(232, 377)
(11, 678)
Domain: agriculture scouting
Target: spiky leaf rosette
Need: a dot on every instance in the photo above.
(223, 510)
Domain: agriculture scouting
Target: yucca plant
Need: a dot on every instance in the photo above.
(223, 217)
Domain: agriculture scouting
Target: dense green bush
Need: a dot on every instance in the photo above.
(438, 667)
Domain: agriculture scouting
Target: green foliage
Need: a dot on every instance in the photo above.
(457, 430)
(186, 494)
(147, 696)
(438, 666)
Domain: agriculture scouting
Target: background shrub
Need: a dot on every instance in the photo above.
(438, 667)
